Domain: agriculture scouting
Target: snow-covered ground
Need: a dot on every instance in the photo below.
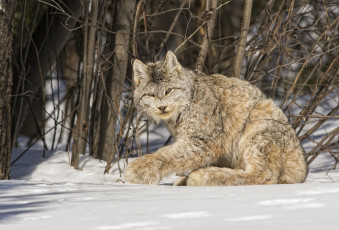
(47, 193)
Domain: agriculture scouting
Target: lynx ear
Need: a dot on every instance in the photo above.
(171, 62)
(139, 72)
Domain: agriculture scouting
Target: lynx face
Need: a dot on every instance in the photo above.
(161, 90)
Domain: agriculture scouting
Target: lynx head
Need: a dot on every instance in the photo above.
(162, 89)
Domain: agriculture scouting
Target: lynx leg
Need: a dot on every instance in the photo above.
(178, 157)
(295, 170)
(214, 176)
(259, 168)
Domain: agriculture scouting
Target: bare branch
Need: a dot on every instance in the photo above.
(242, 39)
(211, 10)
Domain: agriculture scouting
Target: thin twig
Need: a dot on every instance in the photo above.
(211, 11)
(242, 39)
(168, 34)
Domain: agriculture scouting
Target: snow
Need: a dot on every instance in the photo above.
(46, 193)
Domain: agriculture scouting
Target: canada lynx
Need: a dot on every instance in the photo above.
(227, 132)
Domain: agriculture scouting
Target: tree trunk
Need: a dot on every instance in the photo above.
(82, 125)
(47, 42)
(7, 9)
(242, 39)
(115, 79)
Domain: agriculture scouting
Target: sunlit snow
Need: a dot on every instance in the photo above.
(46, 193)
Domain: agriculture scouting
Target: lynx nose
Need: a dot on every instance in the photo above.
(162, 108)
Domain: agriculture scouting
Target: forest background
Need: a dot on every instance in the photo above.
(65, 67)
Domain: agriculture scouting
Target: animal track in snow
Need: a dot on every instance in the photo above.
(34, 217)
(135, 225)
(250, 218)
(284, 201)
(296, 203)
(318, 192)
(187, 215)
(305, 205)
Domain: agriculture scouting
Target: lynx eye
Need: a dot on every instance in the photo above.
(168, 91)
(151, 95)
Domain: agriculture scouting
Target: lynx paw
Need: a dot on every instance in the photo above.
(198, 177)
(144, 170)
(181, 181)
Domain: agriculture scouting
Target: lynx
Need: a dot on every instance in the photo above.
(226, 131)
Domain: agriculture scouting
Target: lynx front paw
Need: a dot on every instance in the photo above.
(144, 170)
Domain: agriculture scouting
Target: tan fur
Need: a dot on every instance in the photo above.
(227, 132)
